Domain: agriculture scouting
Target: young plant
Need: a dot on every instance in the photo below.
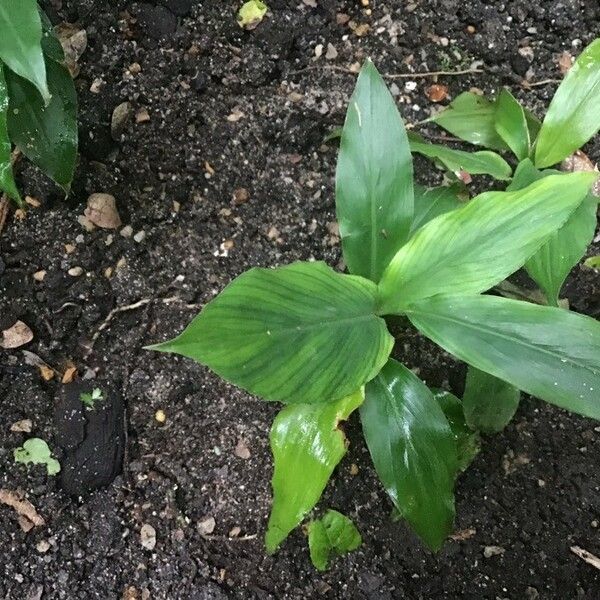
(317, 340)
(38, 104)
(90, 399)
(37, 452)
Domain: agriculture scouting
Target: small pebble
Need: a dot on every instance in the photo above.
(75, 271)
(490, 551)
(160, 416)
(127, 231)
(139, 236)
(43, 546)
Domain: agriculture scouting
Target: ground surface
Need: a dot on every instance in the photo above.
(231, 109)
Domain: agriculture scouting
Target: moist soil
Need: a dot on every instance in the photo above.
(231, 109)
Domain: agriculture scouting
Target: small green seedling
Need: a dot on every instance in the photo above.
(317, 340)
(37, 452)
(90, 399)
(251, 14)
(334, 534)
(38, 103)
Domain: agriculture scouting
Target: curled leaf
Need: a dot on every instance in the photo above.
(333, 534)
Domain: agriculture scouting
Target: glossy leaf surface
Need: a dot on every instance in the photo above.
(471, 118)
(299, 333)
(432, 202)
(413, 450)
(574, 113)
(307, 444)
(47, 135)
(20, 43)
(467, 440)
(7, 182)
(469, 250)
(483, 162)
(50, 43)
(511, 124)
(547, 352)
(551, 264)
(489, 403)
(333, 534)
(374, 182)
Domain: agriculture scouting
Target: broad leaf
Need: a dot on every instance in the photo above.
(299, 333)
(7, 182)
(374, 184)
(47, 135)
(551, 264)
(483, 162)
(413, 450)
(469, 250)
(488, 402)
(467, 440)
(20, 43)
(37, 452)
(574, 113)
(432, 202)
(50, 43)
(471, 117)
(333, 534)
(307, 444)
(547, 352)
(511, 124)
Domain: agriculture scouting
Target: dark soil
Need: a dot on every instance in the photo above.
(533, 490)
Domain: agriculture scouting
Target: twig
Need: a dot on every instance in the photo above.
(588, 557)
(389, 75)
(128, 307)
(529, 84)
(226, 538)
(3, 210)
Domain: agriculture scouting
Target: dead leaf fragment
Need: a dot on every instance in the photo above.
(588, 557)
(236, 115)
(579, 161)
(241, 450)
(207, 526)
(102, 211)
(565, 62)
(463, 534)
(142, 116)
(33, 201)
(148, 536)
(437, 92)
(17, 335)
(73, 40)
(235, 531)
(120, 116)
(46, 372)
(69, 375)
(22, 426)
(490, 551)
(28, 516)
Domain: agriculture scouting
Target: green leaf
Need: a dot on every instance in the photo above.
(593, 262)
(307, 444)
(547, 352)
(374, 183)
(7, 181)
(467, 441)
(475, 163)
(551, 264)
(432, 202)
(20, 43)
(413, 450)
(37, 452)
(299, 333)
(471, 117)
(251, 13)
(333, 534)
(488, 402)
(47, 135)
(50, 43)
(511, 124)
(469, 250)
(574, 113)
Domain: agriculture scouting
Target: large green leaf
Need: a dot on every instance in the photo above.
(574, 113)
(511, 124)
(467, 440)
(432, 202)
(50, 43)
(307, 444)
(483, 162)
(489, 403)
(334, 534)
(47, 135)
(7, 182)
(551, 264)
(374, 185)
(469, 250)
(413, 450)
(548, 352)
(20, 42)
(471, 117)
(299, 333)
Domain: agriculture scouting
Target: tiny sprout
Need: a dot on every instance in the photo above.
(90, 399)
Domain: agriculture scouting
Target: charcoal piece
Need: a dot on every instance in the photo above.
(92, 439)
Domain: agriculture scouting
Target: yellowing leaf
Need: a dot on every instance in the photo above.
(251, 14)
